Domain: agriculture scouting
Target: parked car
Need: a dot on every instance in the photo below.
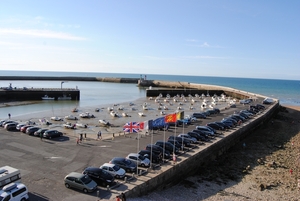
(168, 146)
(203, 134)
(7, 122)
(40, 132)
(11, 126)
(199, 115)
(100, 176)
(226, 126)
(114, 170)
(49, 134)
(198, 136)
(151, 155)
(19, 126)
(159, 150)
(176, 144)
(80, 181)
(215, 126)
(192, 139)
(138, 159)
(205, 128)
(24, 128)
(14, 192)
(181, 140)
(228, 123)
(124, 163)
(31, 130)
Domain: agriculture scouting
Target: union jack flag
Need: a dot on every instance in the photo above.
(131, 127)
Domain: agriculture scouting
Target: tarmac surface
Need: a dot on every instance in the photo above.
(45, 163)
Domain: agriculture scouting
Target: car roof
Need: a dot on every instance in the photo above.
(75, 174)
(118, 159)
(133, 154)
(93, 169)
(108, 164)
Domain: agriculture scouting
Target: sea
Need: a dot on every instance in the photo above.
(96, 94)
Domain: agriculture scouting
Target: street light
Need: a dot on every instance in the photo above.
(61, 84)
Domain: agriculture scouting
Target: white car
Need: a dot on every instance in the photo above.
(138, 159)
(114, 170)
(70, 117)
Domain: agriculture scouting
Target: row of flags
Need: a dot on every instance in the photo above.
(134, 127)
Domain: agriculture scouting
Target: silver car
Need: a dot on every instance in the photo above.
(80, 181)
(139, 159)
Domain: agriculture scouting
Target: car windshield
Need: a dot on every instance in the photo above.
(86, 179)
(127, 162)
(141, 157)
(116, 167)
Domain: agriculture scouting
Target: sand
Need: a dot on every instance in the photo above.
(132, 109)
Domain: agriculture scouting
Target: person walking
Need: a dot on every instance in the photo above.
(99, 135)
(9, 115)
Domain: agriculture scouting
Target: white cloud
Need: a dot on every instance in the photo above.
(203, 57)
(40, 34)
(191, 40)
(205, 44)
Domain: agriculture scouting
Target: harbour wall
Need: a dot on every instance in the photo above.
(69, 78)
(191, 164)
(25, 94)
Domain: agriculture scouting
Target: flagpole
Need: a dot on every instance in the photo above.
(138, 147)
(164, 144)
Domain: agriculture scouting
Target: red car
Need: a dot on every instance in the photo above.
(24, 128)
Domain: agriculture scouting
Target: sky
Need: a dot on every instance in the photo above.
(224, 38)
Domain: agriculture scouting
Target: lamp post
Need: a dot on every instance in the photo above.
(61, 85)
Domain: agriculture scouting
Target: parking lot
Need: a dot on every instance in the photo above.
(45, 163)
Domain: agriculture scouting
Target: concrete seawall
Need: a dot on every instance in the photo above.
(67, 78)
(202, 156)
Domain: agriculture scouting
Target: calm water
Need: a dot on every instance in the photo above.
(101, 93)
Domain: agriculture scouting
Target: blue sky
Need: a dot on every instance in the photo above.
(226, 38)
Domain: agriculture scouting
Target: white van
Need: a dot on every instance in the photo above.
(14, 192)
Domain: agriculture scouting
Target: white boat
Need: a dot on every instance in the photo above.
(70, 117)
(68, 125)
(80, 125)
(124, 114)
(64, 97)
(113, 114)
(86, 115)
(75, 109)
(141, 114)
(104, 122)
(46, 97)
(56, 118)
